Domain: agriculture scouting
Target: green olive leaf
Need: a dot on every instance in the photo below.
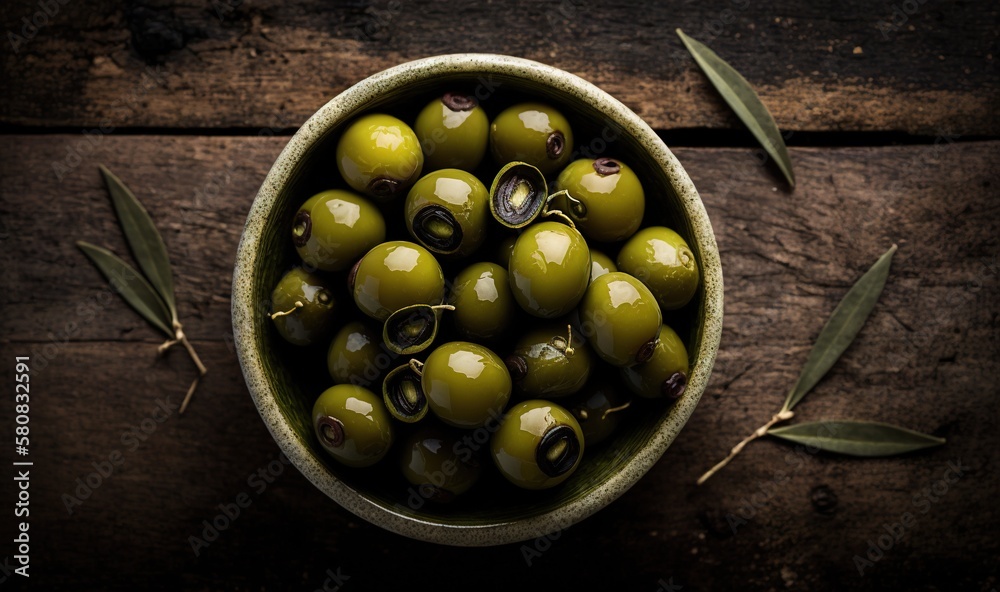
(743, 100)
(130, 285)
(143, 239)
(843, 326)
(856, 438)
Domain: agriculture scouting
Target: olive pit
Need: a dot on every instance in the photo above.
(558, 451)
(436, 227)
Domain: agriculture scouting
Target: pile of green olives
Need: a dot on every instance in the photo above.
(476, 278)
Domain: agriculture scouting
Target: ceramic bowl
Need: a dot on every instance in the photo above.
(283, 385)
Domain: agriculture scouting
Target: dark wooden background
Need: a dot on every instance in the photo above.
(896, 140)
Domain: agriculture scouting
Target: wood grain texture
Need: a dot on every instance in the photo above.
(841, 66)
(927, 359)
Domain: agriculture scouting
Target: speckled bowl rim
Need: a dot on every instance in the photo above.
(313, 130)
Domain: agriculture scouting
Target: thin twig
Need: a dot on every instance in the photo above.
(762, 430)
(187, 397)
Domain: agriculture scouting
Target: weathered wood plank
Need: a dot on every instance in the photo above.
(838, 66)
(927, 360)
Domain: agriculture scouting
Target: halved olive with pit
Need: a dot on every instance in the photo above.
(403, 395)
(518, 194)
(412, 329)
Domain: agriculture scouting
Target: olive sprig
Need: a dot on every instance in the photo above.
(856, 438)
(150, 293)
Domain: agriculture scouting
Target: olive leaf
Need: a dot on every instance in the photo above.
(857, 438)
(851, 437)
(143, 239)
(130, 285)
(743, 100)
(843, 326)
(151, 296)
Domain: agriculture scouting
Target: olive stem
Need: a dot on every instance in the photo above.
(180, 337)
(561, 215)
(565, 347)
(761, 431)
(615, 409)
(281, 313)
(417, 366)
(443, 307)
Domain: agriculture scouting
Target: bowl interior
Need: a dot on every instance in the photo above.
(293, 377)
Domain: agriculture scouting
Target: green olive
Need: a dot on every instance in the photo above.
(453, 132)
(334, 228)
(435, 461)
(484, 306)
(620, 319)
(609, 198)
(394, 275)
(465, 384)
(352, 425)
(665, 373)
(663, 261)
(538, 446)
(599, 409)
(549, 269)
(533, 133)
(549, 362)
(380, 156)
(447, 212)
(303, 307)
(355, 355)
(600, 264)
(403, 394)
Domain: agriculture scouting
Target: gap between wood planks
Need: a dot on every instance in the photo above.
(681, 138)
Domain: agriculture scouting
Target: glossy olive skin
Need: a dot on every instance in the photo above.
(334, 228)
(438, 464)
(522, 133)
(515, 445)
(669, 357)
(379, 156)
(619, 317)
(663, 261)
(613, 203)
(459, 193)
(598, 409)
(453, 134)
(600, 264)
(549, 269)
(465, 384)
(396, 274)
(484, 306)
(355, 355)
(366, 431)
(315, 319)
(551, 370)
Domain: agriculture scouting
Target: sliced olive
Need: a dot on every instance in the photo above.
(403, 395)
(412, 329)
(518, 194)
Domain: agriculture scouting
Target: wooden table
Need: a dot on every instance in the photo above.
(893, 109)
